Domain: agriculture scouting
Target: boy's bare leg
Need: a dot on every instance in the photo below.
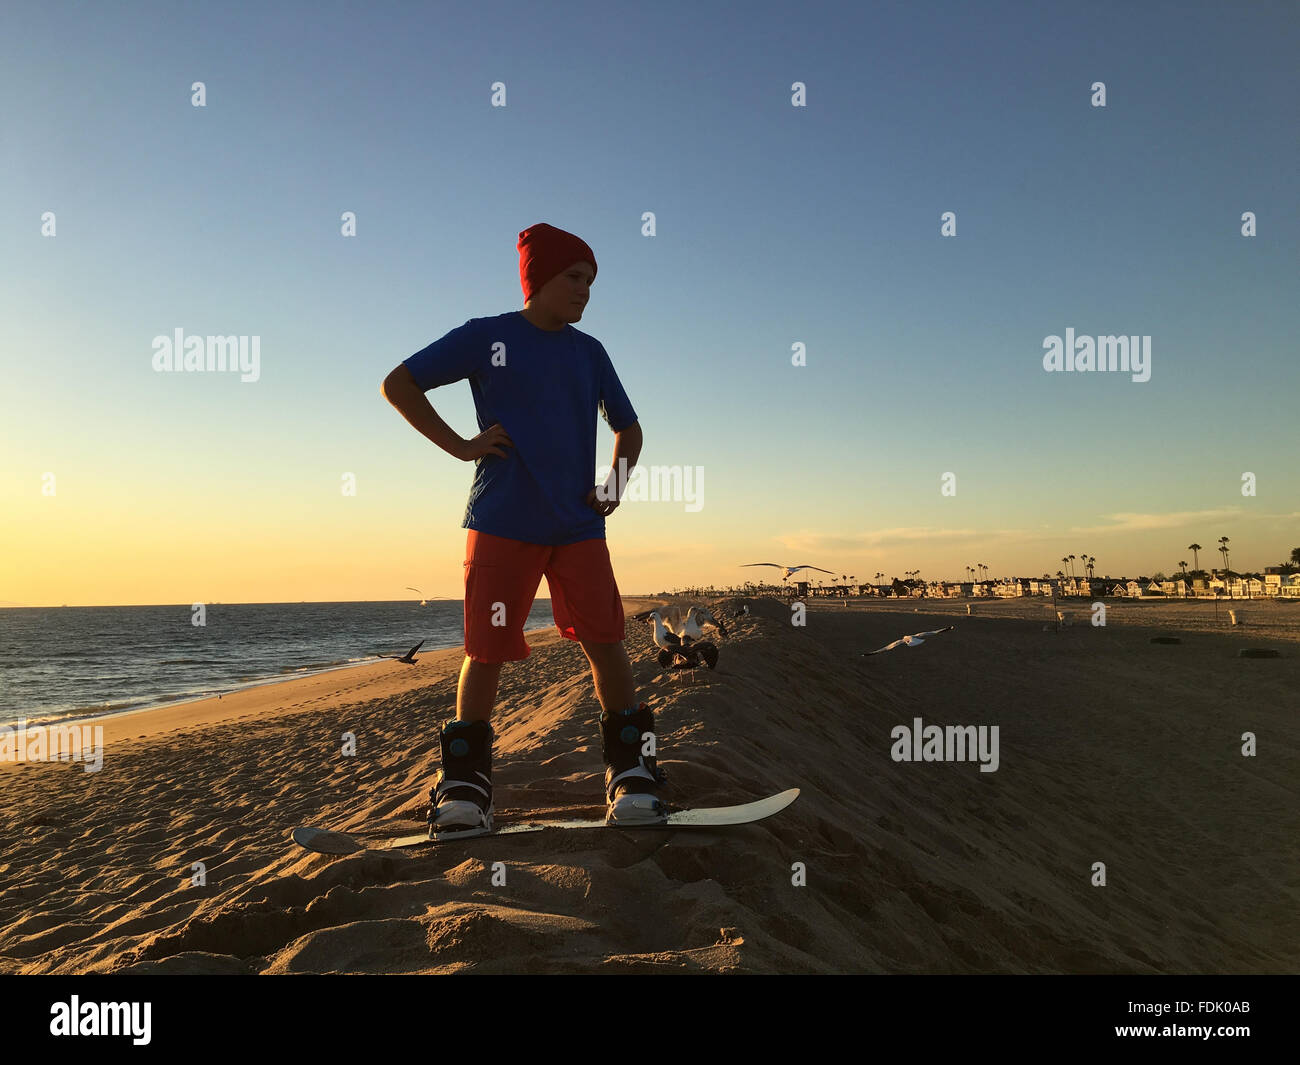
(611, 670)
(476, 693)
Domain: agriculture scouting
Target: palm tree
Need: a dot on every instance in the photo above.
(1196, 558)
(1091, 562)
(1183, 565)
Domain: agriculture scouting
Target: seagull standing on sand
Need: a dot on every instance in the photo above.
(409, 657)
(692, 634)
(696, 617)
(787, 571)
(668, 642)
(909, 641)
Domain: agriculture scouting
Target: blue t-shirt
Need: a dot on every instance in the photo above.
(546, 397)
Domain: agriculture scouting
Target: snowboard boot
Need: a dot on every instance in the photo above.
(632, 779)
(460, 801)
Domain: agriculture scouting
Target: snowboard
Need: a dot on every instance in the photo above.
(323, 841)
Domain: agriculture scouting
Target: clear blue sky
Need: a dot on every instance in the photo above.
(775, 225)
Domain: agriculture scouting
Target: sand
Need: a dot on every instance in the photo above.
(1112, 749)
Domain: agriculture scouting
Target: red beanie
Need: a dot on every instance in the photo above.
(545, 251)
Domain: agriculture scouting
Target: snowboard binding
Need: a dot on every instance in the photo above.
(632, 777)
(460, 801)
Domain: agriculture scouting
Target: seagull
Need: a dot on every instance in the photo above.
(697, 616)
(668, 642)
(408, 658)
(788, 571)
(423, 601)
(909, 641)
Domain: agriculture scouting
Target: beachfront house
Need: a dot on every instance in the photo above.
(1289, 588)
(1133, 589)
(1277, 580)
(1177, 588)
(1152, 588)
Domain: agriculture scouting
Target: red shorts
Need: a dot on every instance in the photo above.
(501, 581)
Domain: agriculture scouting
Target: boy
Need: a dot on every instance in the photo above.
(538, 384)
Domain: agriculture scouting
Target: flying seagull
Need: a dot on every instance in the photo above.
(788, 571)
(408, 658)
(909, 641)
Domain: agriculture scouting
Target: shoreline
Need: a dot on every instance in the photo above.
(351, 683)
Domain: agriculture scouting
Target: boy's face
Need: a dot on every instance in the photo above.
(566, 294)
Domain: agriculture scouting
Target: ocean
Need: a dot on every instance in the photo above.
(59, 663)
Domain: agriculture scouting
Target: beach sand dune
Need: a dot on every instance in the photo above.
(1111, 749)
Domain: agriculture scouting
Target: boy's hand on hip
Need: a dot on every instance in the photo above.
(601, 506)
(489, 442)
